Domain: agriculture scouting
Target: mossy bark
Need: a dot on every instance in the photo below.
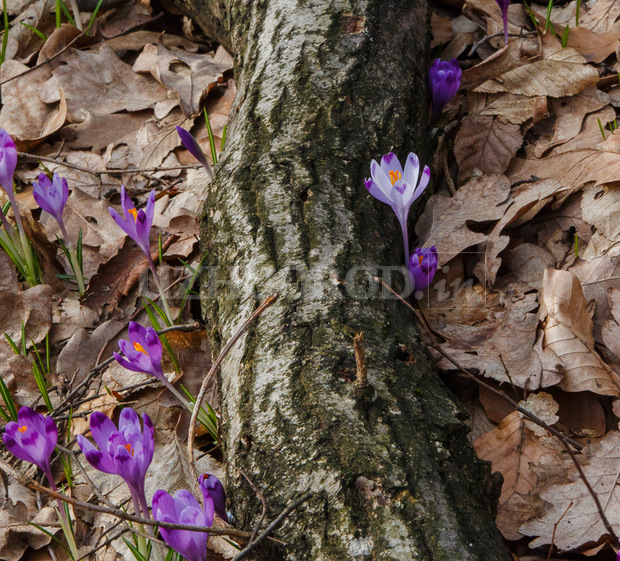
(323, 87)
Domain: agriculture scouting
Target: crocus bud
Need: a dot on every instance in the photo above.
(212, 487)
(503, 6)
(444, 79)
(194, 148)
(8, 161)
(423, 265)
(52, 197)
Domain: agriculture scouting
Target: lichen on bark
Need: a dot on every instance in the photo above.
(323, 87)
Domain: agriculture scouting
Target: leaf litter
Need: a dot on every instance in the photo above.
(528, 294)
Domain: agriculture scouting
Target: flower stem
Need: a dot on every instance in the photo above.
(65, 522)
(406, 242)
(160, 289)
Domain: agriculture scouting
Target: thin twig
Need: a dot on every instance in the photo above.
(361, 375)
(106, 171)
(260, 496)
(203, 389)
(35, 486)
(273, 526)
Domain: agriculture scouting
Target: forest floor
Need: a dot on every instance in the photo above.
(525, 216)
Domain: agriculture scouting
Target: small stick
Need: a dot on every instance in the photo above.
(203, 389)
(273, 526)
(361, 375)
(260, 496)
(105, 172)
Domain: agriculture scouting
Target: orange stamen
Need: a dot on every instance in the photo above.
(420, 258)
(140, 348)
(23, 429)
(133, 213)
(394, 176)
(129, 449)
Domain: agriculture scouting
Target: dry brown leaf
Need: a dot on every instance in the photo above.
(489, 11)
(569, 115)
(485, 144)
(137, 40)
(101, 236)
(502, 345)
(97, 131)
(600, 206)
(527, 466)
(611, 328)
(599, 165)
(581, 523)
(590, 135)
(595, 47)
(568, 332)
(155, 140)
(560, 73)
(441, 30)
(509, 108)
(100, 83)
(445, 220)
(81, 352)
(581, 413)
(190, 75)
(544, 407)
(506, 58)
(17, 534)
(602, 17)
(525, 203)
(23, 114)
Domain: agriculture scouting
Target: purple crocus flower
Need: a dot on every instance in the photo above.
(136, 223)
(444, 79)
(52, 196)
(33, 439)
(194, 148)
(184, 509)
(398, 188)
(212, 487)
(142, 351)
(503, 6)
(126, 451)
(8, 162)
(423, 265)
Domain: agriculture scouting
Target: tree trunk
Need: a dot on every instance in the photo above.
(323, 87)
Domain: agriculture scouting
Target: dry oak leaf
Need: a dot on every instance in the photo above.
(507, 345)
(595, 47)
(568, 332)
(509, 108)
(485, 144)
(569, 115)
(611, 328)
(190, 75)
(581, 523)
(445, 220)
(522, 458)
(24, 115)
(525, 203)
(600, 164)
(100, 83)
(602, 17)
(561, 73)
